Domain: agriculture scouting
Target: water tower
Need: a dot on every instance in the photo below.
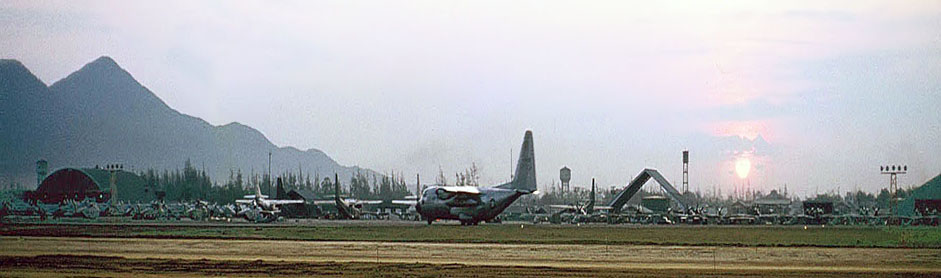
(565, 174)
(42, 169)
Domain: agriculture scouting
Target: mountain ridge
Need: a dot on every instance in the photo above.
(100, 114)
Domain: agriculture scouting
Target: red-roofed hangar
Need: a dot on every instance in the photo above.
(97, 184)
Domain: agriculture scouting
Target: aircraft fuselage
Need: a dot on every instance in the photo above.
(471, 205)
(438, 203)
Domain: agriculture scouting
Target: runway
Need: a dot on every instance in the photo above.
(203, 257)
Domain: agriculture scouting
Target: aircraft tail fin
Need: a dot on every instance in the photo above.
(591, 198)
(336, 187)
(524, 180)
(280, 193)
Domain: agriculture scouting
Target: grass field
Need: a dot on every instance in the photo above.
(891, 237)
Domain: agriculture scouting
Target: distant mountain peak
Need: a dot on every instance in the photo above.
(105, 64)
(107, 67)
(762, 144)
(102, 71)
(239, 127)
(105, 115)
(234, 125)
(14, 76)
(103, 82)
(760, 138)
(11, 63)
(105, 60)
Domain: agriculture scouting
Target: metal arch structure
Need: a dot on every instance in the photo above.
(99, 183)
(632, 188)
(70, 184)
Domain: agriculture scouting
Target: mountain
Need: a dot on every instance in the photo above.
(21, 109)
(101, 115)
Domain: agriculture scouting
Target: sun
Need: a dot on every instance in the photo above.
(742, 167)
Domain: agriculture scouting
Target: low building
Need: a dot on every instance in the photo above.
(742, 207)
(818, 208)
(773, 203)
(306, 210)
(656, 203)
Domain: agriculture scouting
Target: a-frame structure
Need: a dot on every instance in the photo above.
(639, 182)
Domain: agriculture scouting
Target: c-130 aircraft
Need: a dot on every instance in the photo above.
(470, 205)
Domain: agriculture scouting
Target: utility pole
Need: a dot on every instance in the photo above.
(511, 164)
(269, 173)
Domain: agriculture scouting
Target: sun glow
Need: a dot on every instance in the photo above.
(742, 167)
(747, 129)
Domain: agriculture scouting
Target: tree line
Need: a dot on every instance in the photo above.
(190, 183)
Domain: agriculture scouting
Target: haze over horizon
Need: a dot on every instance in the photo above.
(815, 98)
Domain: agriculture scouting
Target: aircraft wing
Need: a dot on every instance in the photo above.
(642, 209)
(461, 189)
(405, 202)
(284, 202)
(563, 207)
(325, 202)
(270, 212)
(603, 208)
(244, 201)
(369, 202)
(253, 196)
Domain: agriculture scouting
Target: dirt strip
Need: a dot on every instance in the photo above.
(681, 259)
(98, 266)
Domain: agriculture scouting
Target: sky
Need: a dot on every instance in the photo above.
(813, 96)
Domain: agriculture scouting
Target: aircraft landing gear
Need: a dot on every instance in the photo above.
(430, 220)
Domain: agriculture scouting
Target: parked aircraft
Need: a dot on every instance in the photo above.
(352, 208)
(347, 208)
(72, 208)
(405, 208)
(588, 209)
(470, 205)
(263, 208)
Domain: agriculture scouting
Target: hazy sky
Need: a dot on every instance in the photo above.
(834, 88)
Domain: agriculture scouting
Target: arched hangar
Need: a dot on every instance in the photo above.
(91, 183)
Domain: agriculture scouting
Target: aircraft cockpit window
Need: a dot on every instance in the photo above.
(444, 194)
